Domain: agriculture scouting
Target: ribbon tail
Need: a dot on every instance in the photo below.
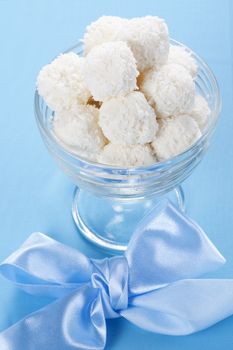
(183, 307)
(43, 266)
(73, 322)
(168, 246)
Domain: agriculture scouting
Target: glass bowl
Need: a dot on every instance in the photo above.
(110, 201)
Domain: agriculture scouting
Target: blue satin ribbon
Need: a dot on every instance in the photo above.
(153, 285)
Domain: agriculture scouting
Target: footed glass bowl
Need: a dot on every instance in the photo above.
(110, 201)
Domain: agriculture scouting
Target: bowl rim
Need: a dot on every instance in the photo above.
(144, 168)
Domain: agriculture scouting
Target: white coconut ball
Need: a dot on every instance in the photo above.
(126, 155)
(200, 112)
(128, 119)
(61, 83)
(175, 135)
(179, 55)
(79, 130)
(171, 90)
(110, 70)
(103, 30)
(148, 39)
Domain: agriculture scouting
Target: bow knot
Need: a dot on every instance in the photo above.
(153, 285)
(110, 276)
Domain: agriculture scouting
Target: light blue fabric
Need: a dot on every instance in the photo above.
(152, 286)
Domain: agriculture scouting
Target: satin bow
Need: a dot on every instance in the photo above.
(153, 286)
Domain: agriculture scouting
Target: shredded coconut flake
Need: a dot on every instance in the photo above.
(179, 55)
(126, 155)
(103, 30)
(80, 131)
(61, 83)
(148, 38)
(200, 112)
(128, 120)
(175, 135)
(171, 90)
(110, 70)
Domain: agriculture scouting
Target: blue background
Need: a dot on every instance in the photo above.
(36, 196)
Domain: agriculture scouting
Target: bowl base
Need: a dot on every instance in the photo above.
(109, 223)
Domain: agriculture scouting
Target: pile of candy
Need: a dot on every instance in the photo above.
(130, 100)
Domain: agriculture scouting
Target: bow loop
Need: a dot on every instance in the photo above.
(168, 246)
(43, 266)
(110, 275)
